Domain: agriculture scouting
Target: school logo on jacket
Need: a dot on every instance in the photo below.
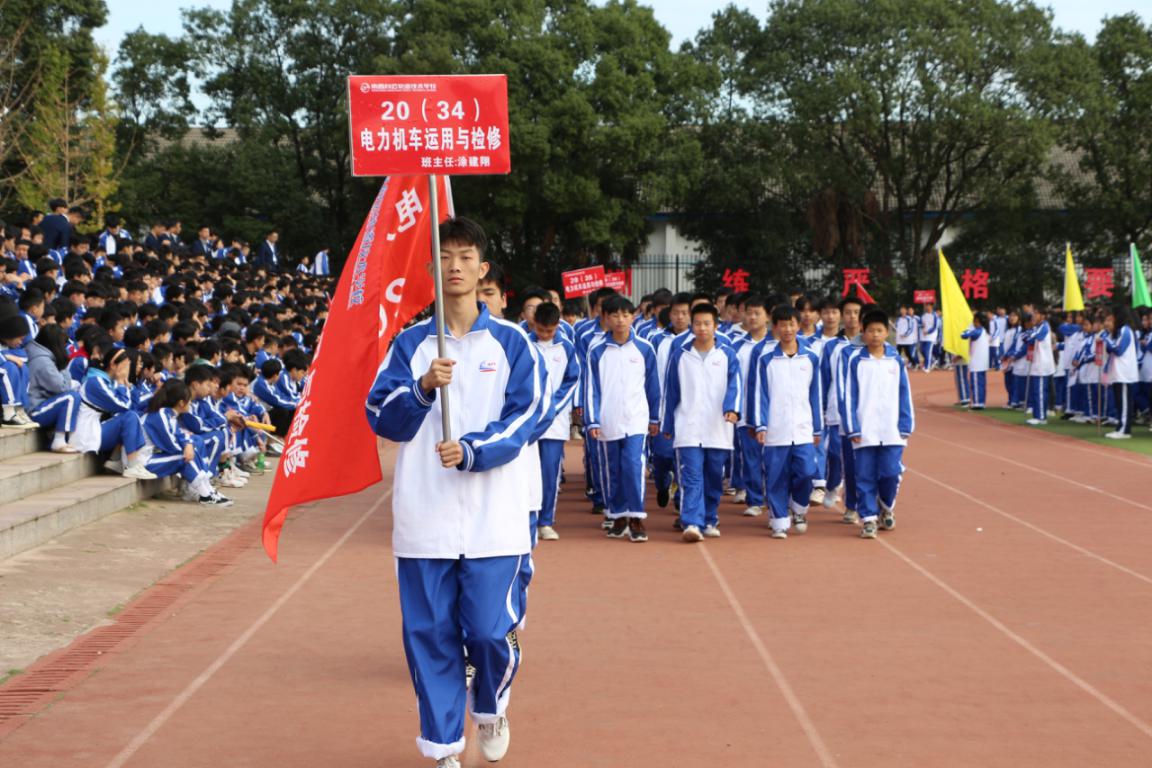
(488, 366)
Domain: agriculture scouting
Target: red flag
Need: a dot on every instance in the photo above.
(330, 449)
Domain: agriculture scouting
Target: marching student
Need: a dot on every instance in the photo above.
(587, 332)
(702, 396)
(173, 451)
(559, 358)
(841, 469)
(878, 417)
(461, 503)
(979, 339)
(907, 334)
(788, 419)
(662, 452)
(1121, 368)
(929, 333)
(622, 409)
(755, 327)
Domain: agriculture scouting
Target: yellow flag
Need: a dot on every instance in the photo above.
(1073, 299)
(954, 308)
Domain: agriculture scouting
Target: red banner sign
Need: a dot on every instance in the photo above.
(621, 281)
(924, 297)
(581, 282)
(424, 124)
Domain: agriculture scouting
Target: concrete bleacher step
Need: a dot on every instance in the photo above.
(44, 494)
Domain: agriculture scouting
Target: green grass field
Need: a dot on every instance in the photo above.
(1141, 441)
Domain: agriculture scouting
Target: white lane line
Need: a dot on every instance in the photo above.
(1044, 472)
(1064, 441)
(1036, 528)
(1062, 670)
(184, 696)
(794, 704)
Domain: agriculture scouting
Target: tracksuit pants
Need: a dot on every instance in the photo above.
(593, 473)
(978, 387)
(58, 413)
(1022, 394)
(14, 381)
(1059, 391)
(788, 472)
(701, 484)
(878, 472)
(848, 456)
(1010, 387)
(1038, 396)
(622, 475)
(960, 374)
(926, 354)
(739, 480)
(753, 467)
(1125, 407)
(449, 605)
(835, 470)
(122, 429)
(551, 465)
(993, 357)
(663, 463)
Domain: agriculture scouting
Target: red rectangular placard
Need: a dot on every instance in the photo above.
(581, 282)
(424, 124)
(924, 297)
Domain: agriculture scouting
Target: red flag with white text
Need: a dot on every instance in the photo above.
(330, 449)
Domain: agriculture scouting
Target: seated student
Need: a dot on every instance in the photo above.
(296, 365)
(31, 305)
(559, 358)
(142, 377)
(210, 428)
(702, 395)
(106, 420)
(788, 417)
(265, 389)
(877, 415)
(271, 350)
(14, 372)
(234, 382)
(53, 403)
(173, 451)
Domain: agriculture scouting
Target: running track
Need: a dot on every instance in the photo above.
(1028, 642)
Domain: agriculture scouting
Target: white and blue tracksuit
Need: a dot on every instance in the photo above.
(106, 419)
(997, 327)
(13, 376)
(663, 455)
(461, 535)
(929, 333)
(248, 440)
(587, 333)
(52, 402)
(788, 410)
(1123, 373)
(877, 416)
(1090, 357)
(978, 360)
(163, 432)
(271, 395)
(700, 388)
(208, 430)
(623, 400)
(1042, 365)
(751, 475)
(836, 470)
(559, 358)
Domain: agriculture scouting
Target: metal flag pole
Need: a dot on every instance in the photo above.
(438, 279)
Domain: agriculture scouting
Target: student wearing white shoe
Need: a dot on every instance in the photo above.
(1042, 366)
(877, 416)
(929, 332)
(53, 402)
(1121, 368)
(173, 451)
(106, 420)
(978, 338)
(461, 505)
(755, 327)
(559, 357)
(702, 396)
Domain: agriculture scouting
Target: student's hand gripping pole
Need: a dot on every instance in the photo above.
(438, 279)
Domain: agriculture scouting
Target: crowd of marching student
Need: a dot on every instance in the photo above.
(1088, 366)
(782, 401)
(164, 357)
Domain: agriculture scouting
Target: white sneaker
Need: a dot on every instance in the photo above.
(1118, 436)
(448, 762)
(494, 738)
(831, 498)
(240, 473)
(139, 472)
(753, 511)
(228, 480)
(729, 491)
(21, 420)
(779, 534)
(850, 517)
(800, 523)
(692, 534)
(740, 497)
(114, 467)
(711, 532)
(817, 497)
(547, 533)
(190, 494)
(1037, 422)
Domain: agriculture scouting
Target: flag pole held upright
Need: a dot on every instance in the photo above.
(438, 279)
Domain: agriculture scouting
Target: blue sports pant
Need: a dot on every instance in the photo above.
(447, 606)
(1059, 389)
(1038, 396)
(926, 354)
(960, 374)
(789, 471)
(753, 467)
(592, 471)
(622, 476)
(834, 455)
(738, 481)
(701, 485)
(663, 462)
(59, 413)
(847, 455)
(551, 465)
(1010, 387)
(978, 387)
(878, 473)
(122, 429)
(13, 379)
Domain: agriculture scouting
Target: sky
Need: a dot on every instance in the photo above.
(683, 18)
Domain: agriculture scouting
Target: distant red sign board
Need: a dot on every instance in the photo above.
(424, 124)
(621, 281)
(924, 297)
(581, 282)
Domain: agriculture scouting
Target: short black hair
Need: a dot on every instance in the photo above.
(464, 231)
(755, 301)
(680, 298)
(706, 309)
(617, 303)
(876, 315)
(271, 368)
(547, 314)
(495, 275)
(295, 360)
(850, 300)
(782, 313)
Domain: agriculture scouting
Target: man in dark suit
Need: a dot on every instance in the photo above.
(56, 227)
(205, 244)
(269, 255)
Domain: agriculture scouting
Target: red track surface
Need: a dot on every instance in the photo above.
(1024, 643)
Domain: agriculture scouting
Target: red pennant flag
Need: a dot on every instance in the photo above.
(330, 449)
